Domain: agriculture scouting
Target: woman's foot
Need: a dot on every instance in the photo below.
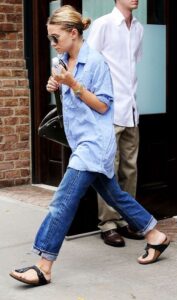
(157, 242)
(33, 275)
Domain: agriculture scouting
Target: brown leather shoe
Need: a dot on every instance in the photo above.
(113, 238)
(127, 232)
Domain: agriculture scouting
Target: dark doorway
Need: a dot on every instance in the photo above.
(157, 163)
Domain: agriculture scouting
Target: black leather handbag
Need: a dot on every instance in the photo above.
(52, 127)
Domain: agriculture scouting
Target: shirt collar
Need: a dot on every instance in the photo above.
(83, 53)
(118, 16)
(82, 56)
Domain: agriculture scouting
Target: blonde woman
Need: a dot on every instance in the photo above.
(88, 120)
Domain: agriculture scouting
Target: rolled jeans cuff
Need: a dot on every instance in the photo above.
(152, 223)
(44, 254)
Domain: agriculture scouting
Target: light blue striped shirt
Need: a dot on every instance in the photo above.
(90, 134)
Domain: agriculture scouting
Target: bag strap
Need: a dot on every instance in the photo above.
(58, 93)
(58, 96)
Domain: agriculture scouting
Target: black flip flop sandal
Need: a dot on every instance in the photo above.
(159, 249)
(41, 278)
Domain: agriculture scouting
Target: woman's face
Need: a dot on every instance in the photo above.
(61, 40)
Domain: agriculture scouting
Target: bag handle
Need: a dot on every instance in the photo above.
(58, 96)
(58, 93)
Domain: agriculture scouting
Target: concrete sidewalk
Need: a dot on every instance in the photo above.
(87, 269)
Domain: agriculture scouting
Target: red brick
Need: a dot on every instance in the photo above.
(12, 155)
(8, 45)
(4, 54)
(25, 172)
(6, 165)
(22, 111)
(13, 1)
(18, 8)
(23, 82)
(8, 27)
(20, 44)
(19, 73)
(24, 137)
(25, 155)
(11, 138)
(6, 112)
(24, 120)
(2, 19)
(21, 92)
(12, 64)
(1, 157)
(11, 36)
(11, 121)
(22, 181)
(15, 53)
(5, 8)
(5, 73)
(11, 102)
(7, 130)
(2, 175)
(7, 147)
(14, 18)
(8, 183)
(22, 164)
(12, 174)
(22, 128)
(19, 27)
(24, 102)
(6, 92)
(22, 146)
(14, 96)
(9, 83)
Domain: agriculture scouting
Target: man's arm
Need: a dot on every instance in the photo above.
(140, 48)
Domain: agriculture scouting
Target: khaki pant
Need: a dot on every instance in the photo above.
(126, 171)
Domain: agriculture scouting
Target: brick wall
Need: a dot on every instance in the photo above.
(14, 98)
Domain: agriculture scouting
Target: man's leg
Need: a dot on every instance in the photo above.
(108, 216)
(126, 166)
(126, 163)
(126, 172)
(137, 216)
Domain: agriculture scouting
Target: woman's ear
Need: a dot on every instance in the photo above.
(74, 33)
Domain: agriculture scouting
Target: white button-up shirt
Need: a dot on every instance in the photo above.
(121, 48)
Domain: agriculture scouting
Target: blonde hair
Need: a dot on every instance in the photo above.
(69, 18)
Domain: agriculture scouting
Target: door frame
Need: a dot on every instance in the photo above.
(37, 54)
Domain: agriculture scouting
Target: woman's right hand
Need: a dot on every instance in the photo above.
(52, 85)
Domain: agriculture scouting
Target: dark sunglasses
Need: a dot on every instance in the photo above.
(53, 38)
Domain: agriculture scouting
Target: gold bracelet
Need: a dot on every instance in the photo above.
(78, 91)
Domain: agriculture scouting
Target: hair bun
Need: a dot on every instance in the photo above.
(86, 23)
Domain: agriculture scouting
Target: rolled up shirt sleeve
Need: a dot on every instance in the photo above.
(102, 83)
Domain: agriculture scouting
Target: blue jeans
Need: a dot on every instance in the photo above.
(65, 202)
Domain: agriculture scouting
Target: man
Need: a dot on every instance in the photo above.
(118, 36)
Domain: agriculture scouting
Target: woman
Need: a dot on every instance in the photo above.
(87, 111)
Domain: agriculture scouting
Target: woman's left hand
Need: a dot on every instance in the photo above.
(65, 77)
